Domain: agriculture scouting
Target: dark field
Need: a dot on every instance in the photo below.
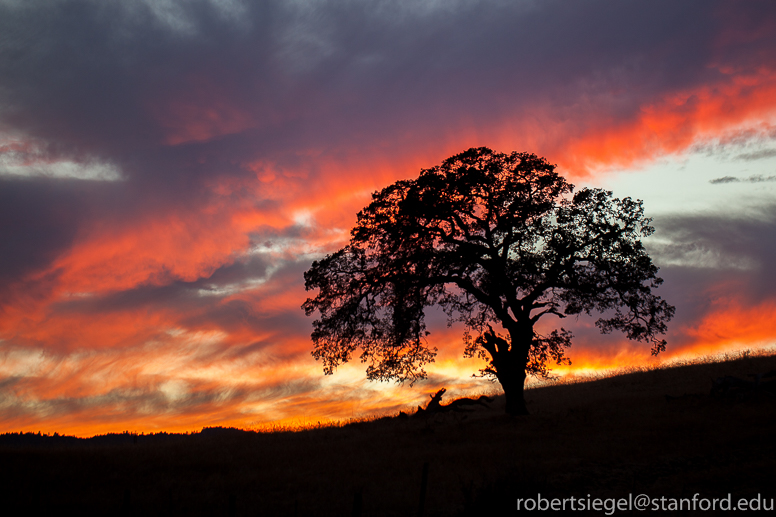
(606, 438)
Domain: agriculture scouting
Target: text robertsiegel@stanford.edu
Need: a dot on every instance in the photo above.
(643, 502)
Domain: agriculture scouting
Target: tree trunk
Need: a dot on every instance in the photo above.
(511, 375)
(514, 392)
(509, 362)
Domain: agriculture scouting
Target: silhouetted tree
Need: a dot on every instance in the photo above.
(491, 238)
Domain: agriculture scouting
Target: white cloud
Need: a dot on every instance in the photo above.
(24, 158)
(697, 183)
(667, 252)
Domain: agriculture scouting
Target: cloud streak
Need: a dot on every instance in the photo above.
(758, 178)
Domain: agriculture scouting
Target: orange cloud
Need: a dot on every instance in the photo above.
(160, 247)
(732, 324)
(728, 326)
(673, 124)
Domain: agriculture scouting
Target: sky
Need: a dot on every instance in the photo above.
(170, 168)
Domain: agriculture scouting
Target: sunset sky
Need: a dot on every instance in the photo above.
(170, 168)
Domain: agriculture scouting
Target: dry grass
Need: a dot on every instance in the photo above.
(605, 437)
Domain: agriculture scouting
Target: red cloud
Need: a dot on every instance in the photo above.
(672, 124)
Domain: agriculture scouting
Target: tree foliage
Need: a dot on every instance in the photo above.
(492, 239)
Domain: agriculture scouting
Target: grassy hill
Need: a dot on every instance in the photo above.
(607, 438)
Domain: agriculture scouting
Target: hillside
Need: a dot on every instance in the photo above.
(606, 438)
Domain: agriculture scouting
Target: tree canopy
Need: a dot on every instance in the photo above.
(492, 239)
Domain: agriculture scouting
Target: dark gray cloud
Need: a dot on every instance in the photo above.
(39, 219)
(706, 258)
(96, 78)
(760, 154)
(756, 178)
